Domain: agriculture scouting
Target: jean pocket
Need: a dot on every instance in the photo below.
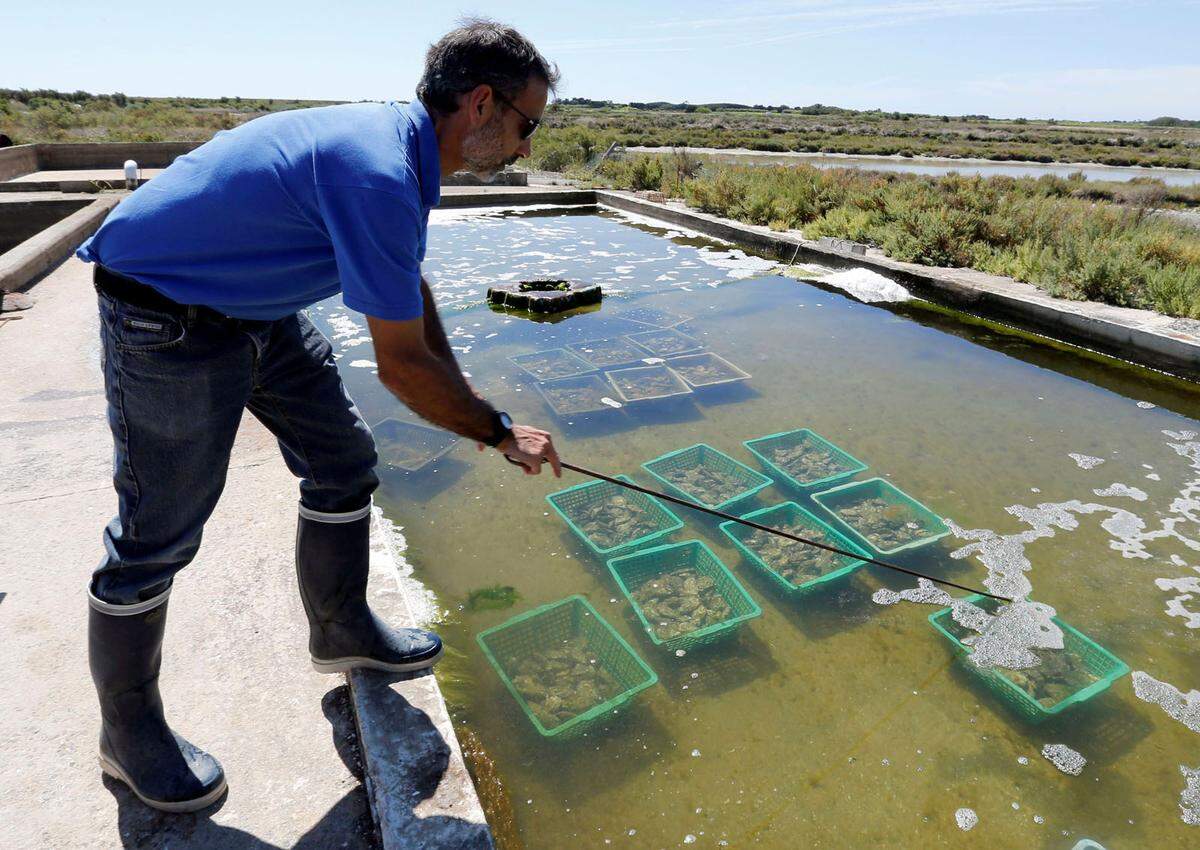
(139, 329)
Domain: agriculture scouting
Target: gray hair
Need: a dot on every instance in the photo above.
(480, 52)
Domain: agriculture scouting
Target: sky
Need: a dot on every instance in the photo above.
(1066, 59)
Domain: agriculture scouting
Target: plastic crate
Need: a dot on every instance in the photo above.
(653, 317)
(1098, 661)
(685, 367)
(705, 455)
(836, 498)
(409, 446)
(791, 513)
(591, 400)
(551, 363)
(606, 353)
(762, 446)
(631, 571)
(567, 504)
(508, 643)
(625, 382)
(666, 342)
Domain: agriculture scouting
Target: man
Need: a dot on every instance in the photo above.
(200, 275)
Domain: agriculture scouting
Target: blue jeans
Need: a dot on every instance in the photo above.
(177, 382)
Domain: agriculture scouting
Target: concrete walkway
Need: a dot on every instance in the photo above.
(236, 677)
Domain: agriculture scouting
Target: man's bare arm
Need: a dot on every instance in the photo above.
(435, 389)
(435, 333)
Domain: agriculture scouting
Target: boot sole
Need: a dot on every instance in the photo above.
(178, 807)
(344, 665)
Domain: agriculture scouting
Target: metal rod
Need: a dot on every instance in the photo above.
(760, 527)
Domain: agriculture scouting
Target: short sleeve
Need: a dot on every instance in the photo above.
(377, 238)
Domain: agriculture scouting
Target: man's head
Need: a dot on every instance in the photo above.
(486, 86)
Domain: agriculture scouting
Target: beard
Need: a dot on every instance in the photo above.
(483, 151)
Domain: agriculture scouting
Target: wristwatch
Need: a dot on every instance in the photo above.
(501, 428)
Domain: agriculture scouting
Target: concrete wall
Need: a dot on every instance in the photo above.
(53, 157)
(504, 178)
(22, 219)
(18, 160)
(49, 247)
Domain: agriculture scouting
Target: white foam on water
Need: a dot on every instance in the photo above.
(1085, 461)
(1189, 799)
(610, 402)
(736, 263)
(925, 592)
(1179, 706)
(868, 286)
(1064, 758)
(388, 547)
(1117, 489)
(966, 819)
(343, 326)
(1009, 639)
(1145, 405)
(364, 364)
(350, 343)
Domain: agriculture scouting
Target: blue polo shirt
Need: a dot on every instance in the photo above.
(284, 211)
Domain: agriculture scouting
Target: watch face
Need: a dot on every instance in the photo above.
(505, 420)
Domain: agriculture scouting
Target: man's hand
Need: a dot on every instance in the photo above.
(530, 447)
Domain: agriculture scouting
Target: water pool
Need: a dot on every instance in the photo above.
(829, 720)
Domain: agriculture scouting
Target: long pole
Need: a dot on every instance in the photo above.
(760, 527)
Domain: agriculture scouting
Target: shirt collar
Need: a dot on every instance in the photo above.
(429, 161)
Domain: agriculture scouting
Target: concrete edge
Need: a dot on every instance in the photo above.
(1142, 337)
(41, 252)
(518, 195)
(420, 792)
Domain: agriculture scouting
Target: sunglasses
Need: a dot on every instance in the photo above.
(531, 124)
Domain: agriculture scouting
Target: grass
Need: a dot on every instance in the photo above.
(1048, 231)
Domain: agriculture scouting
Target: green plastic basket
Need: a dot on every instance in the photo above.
(606, 353)
(631, 571)
(838, 497)
(410, 446)
(666, 342)
(593, 388)
(551, 364)
(1098, 660)
(507, 643)
(626, 383)
(762, 446)
(788, 513)
(567, 503)
(686, 366)
(703, 454)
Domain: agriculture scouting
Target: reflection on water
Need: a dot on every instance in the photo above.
(936, 167)
(829, 720)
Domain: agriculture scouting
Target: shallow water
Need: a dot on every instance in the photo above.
(936, 166)
(830, 721)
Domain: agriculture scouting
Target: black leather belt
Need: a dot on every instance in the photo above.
(128, 290)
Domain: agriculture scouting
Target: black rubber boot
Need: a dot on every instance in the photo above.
(332, 561)
(136, 744)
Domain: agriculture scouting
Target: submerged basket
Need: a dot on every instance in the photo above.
(631, 571)
(1098, 661)
(705, 455)
(409, 446)
(508, 643)
(775, 517)
(653, 317)
(606, 353)
(685, 367)
(625, 382)
(836, 498)
(595, 389)
(761, 449)
(551, 364)
(567, 504)
(666, 342)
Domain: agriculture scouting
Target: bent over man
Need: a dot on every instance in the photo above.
(201, 276)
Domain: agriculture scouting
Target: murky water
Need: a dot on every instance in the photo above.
(830, 721)
(937, 166)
